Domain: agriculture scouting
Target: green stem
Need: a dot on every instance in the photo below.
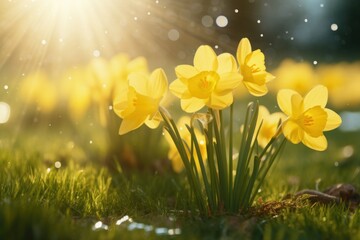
(230, 190)
(171, 127)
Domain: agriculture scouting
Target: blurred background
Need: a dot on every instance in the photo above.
(60, 59)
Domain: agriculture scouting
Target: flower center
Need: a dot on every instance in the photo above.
(203, 84)
(308, 121)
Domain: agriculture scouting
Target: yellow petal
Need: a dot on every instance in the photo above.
(192, 104)
(228, 82)
(131, 123)
(333, 120)
(263, 112)
(244, 48)
(152, 123)
(179, 89)
(139, 81)
(205, 59)
(220, 102)
(123, 102)
(269, 77)
(257, 59)
(317, 96)
(316, 143)
(284, 100)
(256, 90)
(185, 71)
(139, 64)
(292, 131)
(258, 78)
(297, 105)
(226, 63)
(157, 85)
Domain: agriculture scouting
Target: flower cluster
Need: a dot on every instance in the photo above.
(220, 182)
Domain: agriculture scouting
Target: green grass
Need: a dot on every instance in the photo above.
(39, 201)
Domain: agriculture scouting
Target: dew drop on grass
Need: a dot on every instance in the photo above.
(100, 225)
(123, 219)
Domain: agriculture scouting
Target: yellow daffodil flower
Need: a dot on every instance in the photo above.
(299, 76)
(173, 155)
(38, 89)
(77, 92)
(252, 68)
(269, 125)
(138, 101)
(307, 117)
(209, 82)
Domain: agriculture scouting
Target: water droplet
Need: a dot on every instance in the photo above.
(216, 46)
(91, 142)
(258, 21)
(135, 18)
(57, 164)
(321, 5)
(100, 225)
(6, 87)
(48, 170)
(261, 35)
(110, 107)
(315, 62)
(173, 35)
(334, 27)
(148, 13)
(306, 20)
(347, 151)
(207, 21)
(43, 42)
(222, 21)
(4, 112)
(236, 10)
(123, 219)
(292, 38)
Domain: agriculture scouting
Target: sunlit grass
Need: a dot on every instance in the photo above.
(48, 202)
